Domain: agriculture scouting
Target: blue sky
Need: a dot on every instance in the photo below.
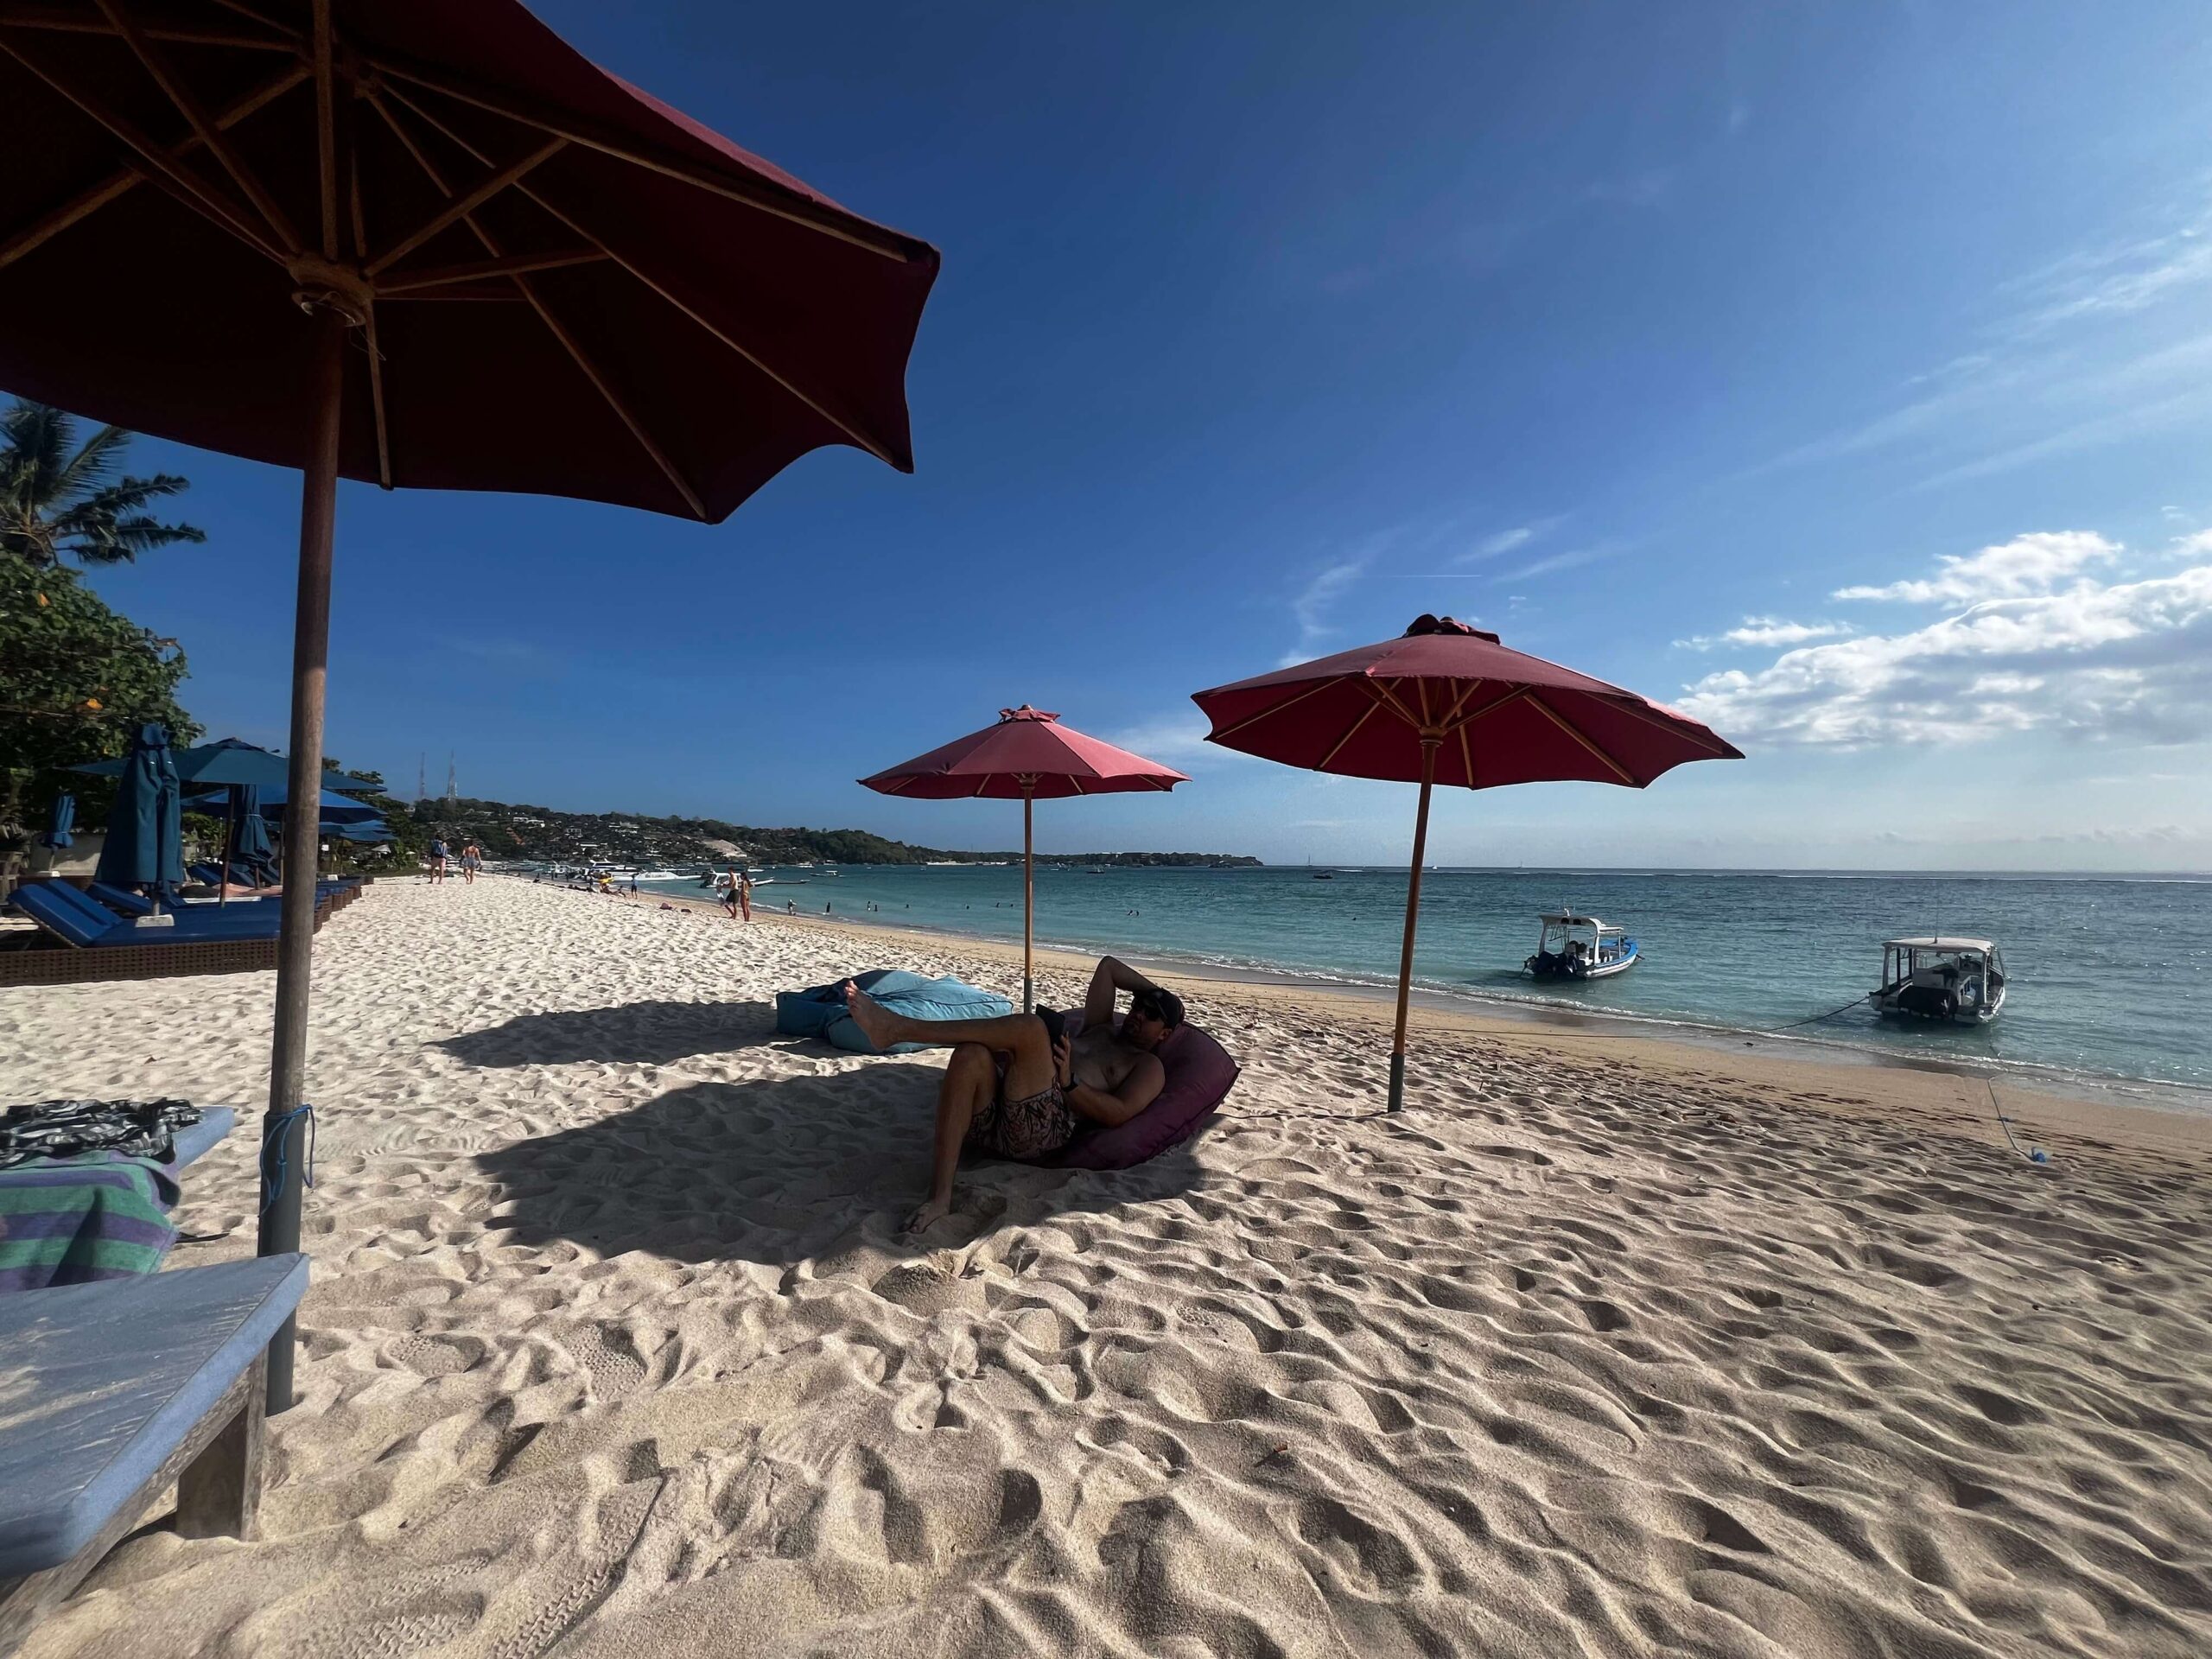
(1639, 333)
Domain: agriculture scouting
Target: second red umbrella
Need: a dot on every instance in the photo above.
(1445, 703)
(1027, 756)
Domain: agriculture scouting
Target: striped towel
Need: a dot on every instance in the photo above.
(70, 1221)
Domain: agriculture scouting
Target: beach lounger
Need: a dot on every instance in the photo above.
(201, 940)
(120, 1390)
(79, 1218)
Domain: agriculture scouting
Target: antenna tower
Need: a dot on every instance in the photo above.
(453, 788)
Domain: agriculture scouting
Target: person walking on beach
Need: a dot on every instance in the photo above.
(437, 860)
(1016, 1085)
(731, 897)
(472, 860)
(745, 893)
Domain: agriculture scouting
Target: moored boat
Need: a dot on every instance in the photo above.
(1577, 947)
(1954, 981)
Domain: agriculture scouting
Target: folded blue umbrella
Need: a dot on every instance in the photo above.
(145, 835)
(250, 836)
(65, 819)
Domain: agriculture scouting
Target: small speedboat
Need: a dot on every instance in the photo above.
(1577, 947)
(1954, 981)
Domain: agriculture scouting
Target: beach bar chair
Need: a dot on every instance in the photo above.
(120, 1390)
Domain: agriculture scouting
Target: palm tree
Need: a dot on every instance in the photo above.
(54, 502)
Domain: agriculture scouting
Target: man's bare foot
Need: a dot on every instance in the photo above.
(873, 1021)
(928, 1215)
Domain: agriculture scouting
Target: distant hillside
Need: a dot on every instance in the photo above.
(539, 832)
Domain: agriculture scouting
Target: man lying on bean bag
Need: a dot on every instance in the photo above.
(1021, 1085)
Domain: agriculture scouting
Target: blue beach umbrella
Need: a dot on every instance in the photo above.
(145, 835)
(230, 760)
(335, 808)
(65, 819)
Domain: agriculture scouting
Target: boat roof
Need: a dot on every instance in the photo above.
(1941, 941)
(1576, 918)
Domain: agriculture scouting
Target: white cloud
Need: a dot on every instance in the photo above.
(2101, 345)
(1573, 558)
(2030, 564)
(1756, 631)
(1314, 607)
(1175, 736)
(1506, 541)
(2128, 662)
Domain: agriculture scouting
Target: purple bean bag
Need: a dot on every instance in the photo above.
(1199, 1074)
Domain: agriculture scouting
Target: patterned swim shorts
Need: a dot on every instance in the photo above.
(1025, 1128)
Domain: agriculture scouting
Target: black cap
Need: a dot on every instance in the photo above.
(1164, 1006)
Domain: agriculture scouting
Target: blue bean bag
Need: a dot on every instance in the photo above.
(821, 1011)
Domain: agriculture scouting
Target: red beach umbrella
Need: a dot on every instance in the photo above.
(423, 244)
(1446, 704)
(1028, 756)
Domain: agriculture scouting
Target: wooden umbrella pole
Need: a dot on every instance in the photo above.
(1028, 902)
(284, 1128)
(1429, 747)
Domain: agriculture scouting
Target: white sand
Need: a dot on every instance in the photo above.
(1600, 1349)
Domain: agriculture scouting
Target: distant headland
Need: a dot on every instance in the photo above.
(521, 831)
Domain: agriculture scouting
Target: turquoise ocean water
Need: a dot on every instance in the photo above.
(2111, 977)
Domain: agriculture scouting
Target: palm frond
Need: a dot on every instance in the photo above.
(94, 464)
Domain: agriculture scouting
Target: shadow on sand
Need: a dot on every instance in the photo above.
(647, 1034)
(780, 1171)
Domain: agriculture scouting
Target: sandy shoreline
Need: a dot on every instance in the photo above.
(1605, 1346)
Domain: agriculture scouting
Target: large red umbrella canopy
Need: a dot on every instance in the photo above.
(559, 284)
(1027, 756)
(1498, 716)
(1446, 704)
(418, 242)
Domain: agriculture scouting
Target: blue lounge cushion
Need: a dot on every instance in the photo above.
(820, 1011)
(108, 1379)
(84, 922)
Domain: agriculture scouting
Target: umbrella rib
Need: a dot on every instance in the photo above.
(538, 304)
(844, 426)
(1466, 754)
(1567, 725)
(850, 431)
(796, 210)
(412, 282)
(462, 204)
(193, 192)
(323, 52)
(91, 200)
(62, 22)
(614, 401)
(289, 33)
(1350, 731)
(1272, 709)
(1711, 742)
(1516, 694)
(196, 115)
(369, 321)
